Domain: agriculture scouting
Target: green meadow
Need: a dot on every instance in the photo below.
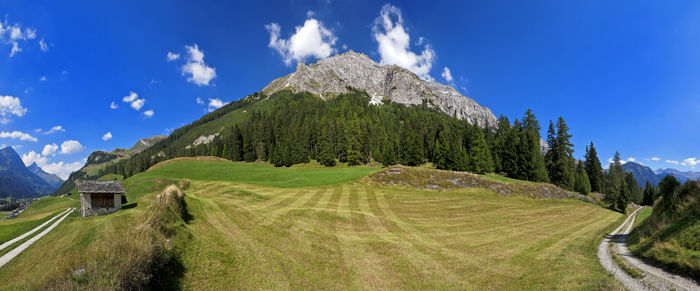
(254, 226)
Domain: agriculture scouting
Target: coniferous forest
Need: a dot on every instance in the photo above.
(292, 128)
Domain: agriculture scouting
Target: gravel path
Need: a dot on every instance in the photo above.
(654, 278)
(21, 237)
(16, 251)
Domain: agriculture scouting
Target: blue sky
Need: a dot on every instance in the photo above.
(625, 76)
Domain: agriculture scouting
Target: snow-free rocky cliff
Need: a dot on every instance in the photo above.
(333, 75)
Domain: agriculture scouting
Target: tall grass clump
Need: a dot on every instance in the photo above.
(142, 258)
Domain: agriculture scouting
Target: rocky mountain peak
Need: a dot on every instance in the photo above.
(332, 76)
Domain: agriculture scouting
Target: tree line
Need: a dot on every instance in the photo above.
(291, 128)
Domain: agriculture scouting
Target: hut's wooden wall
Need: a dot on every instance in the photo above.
(102, 200)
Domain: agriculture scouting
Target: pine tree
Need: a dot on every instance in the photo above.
(237, 144)
(249, 150)
(617, 192)
(593, 168)
(440, 158)
(480, 156)
(388, 153)
(500, 143)
(412, 153)
(582, 183)
(636, 195)
(550, 157)
(354, 156)
(648, 195)
(533, 162)
(326, 155)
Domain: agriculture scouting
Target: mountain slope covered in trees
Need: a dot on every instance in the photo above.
(97, 160)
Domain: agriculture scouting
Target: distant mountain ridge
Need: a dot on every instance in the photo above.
(98, 159)
(16, 180)
(53, 180)
(334, 75)
(643, 174)
(689, 175)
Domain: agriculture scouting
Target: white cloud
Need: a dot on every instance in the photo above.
(13, 34)
(61, 169)
(394, 44)
(215, 103)
(133, 99)
(42, 79)
(113, 105)
(34, 157)
(107, 136)
(200, 73)
(172, 56)
(673, 162)
(49, 150)
(137, 104)
(43, 46)
(309, 40)
(655, 159)
(631, 159)
(447, 75)
(71, 147)
(148, 113)
(199, 100)
(55, 129)
(18, 135)
(10, 106)
(622, 162)
(691, 162)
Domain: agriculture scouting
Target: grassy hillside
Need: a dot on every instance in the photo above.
(670, 234)
(256, 226)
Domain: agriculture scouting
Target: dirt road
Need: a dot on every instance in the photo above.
(653, 278)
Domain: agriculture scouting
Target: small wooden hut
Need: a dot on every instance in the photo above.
(100, 197)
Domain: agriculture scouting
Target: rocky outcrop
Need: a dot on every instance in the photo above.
(333, 76)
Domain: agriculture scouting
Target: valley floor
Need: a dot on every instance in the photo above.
(243, 233)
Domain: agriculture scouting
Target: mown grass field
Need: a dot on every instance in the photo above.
(39, 212)
(259, 227)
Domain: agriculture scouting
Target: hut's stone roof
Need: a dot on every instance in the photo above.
(91, 186)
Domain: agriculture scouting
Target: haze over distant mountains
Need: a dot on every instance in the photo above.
(18, 181)
(53, 180)
(643, 174)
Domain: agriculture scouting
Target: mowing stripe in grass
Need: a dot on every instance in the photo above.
(26, 234)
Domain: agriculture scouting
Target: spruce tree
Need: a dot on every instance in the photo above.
(326, 155)
(353, 154)
(440, 154)
(582, 183)
(480, 156)
(534, 165)
(237, 144)
(412, 153)
(550, 158)
(648, 195)
(593, 168)
(389, 153)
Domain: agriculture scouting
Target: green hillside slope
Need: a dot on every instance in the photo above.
(670, 235)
